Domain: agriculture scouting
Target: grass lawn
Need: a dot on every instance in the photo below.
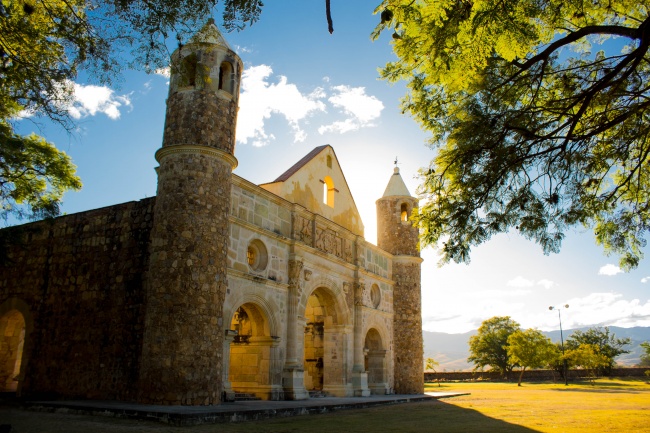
(605, 406)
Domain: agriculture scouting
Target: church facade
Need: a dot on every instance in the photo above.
(216, 286)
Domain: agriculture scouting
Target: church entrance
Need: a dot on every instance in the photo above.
(323, 344)
(375, 362)
(252, 354)
(12, 341)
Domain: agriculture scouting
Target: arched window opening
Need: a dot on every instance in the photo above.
(329, 161)
(404, 213)
(226, 77)
(328, 191)
(188, 71)
(12, 341)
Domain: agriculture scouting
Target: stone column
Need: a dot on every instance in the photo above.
(228, 393)
(293, 372)
(359, 374)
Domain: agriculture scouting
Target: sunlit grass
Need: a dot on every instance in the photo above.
(605, 406)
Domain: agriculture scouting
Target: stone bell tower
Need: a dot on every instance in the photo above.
(186, 285)
(397, 235)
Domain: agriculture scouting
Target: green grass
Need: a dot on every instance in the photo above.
(605, 406)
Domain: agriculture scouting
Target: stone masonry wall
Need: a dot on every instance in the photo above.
(407, 328)
(79, 278)
(400, 238)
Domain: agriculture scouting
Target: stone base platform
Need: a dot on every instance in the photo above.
(226, 412)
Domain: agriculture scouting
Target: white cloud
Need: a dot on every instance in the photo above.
(645, 280)
(520, 281)
(258, 100)
(607, 309)
(609, 270)
(547, 284)
(165, 72)
(360, 108)
(91, 100)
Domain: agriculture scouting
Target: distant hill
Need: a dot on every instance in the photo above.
(452, 350)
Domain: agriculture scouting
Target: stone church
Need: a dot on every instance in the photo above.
(215, 286)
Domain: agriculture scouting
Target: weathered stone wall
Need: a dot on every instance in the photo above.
(407, 326)
(78, 280)
(396, 235)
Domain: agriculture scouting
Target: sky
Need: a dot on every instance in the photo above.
(303, 88)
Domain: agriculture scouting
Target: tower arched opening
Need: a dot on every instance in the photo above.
(12, 342)
(375, 362)
(251, 353)
(226, 77)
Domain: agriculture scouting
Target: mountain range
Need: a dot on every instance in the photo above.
(451, 350)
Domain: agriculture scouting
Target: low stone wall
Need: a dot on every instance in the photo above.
(529, 375)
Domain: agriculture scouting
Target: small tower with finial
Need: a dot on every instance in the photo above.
(397, 235)
(181, 361)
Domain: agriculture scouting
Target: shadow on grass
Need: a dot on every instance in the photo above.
(422, 417)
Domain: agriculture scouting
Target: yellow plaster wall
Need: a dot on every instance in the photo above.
(306, 189)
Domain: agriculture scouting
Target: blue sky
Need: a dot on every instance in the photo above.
(302, 88)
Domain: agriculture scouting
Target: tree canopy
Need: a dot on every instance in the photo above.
(602, 342)
(33, 175)
(44, 44)
(540, 114)
(489, 347)
(531, 349)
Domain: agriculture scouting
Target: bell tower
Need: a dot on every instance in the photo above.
(181, 360)
(397, 235)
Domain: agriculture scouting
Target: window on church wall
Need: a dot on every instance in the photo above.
(328, 191)
(188, 71)
(226, 77)
(329, 161)
(404, 214)
(257, 255)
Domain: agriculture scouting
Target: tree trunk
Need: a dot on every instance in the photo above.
(521, 375)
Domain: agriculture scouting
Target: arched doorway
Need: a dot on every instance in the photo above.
(325, 343)
(375, 362)
(252, 353)
(12, 342)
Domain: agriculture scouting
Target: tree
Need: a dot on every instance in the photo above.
(44, 44)
(430, 364)
(538, 125)
(589, 358)
(645, 357)
(33, 175)
(531, 349)
(490, 345)
(603, 342)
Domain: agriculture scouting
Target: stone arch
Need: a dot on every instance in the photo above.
(16, 325)
(326, 338)
(188, 70)
(374, 351)
(254, 358)
(227, 77)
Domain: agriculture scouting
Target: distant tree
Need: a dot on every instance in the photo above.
(490, 346)
(531, 349)
(537, 128)
(430, 364)
(645, 357)
(589, 358)
(603, 342)
(34, 175)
